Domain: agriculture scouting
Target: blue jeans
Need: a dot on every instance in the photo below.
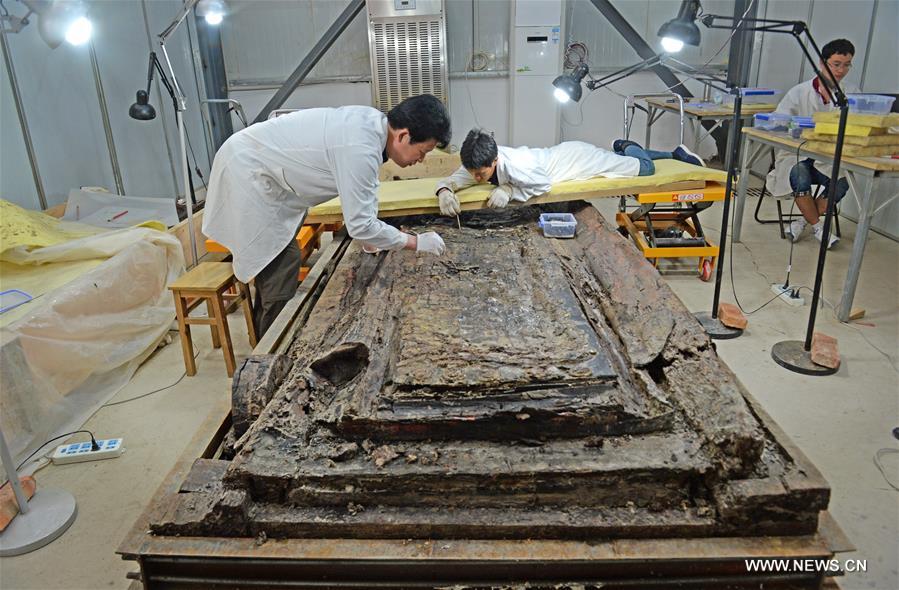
(647, 168)
(804, 174)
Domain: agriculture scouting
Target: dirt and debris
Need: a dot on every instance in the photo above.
(383, 455)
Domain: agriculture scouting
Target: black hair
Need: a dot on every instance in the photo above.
(425, 117)
(478, 150)
(841, 46)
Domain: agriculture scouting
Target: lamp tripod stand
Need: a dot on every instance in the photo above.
(795, 355)
(142, 110)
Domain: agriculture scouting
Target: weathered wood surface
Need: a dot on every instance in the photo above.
(516, 387)
(253, 386)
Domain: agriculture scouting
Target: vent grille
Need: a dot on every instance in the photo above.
(408, 59)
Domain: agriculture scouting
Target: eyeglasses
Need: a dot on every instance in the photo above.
(839, 65)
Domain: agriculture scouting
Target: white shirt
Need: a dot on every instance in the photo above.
(265, 177)
(801, 100)
(533, 171)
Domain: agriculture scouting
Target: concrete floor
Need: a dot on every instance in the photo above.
(838, 421)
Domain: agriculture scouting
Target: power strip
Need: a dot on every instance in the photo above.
(78, 452)
(790, 296)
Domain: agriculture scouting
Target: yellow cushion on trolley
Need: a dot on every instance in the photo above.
(415, 195)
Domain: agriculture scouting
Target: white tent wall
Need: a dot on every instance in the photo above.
(63, 112)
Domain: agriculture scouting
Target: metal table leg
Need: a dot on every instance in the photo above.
(650, 114)
(749, 158)
(865, 213)
(697, 132)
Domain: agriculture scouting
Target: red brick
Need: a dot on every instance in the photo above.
(730, 316)
(825, 351)
(8, 506)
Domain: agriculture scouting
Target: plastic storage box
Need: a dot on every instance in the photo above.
(871, 104)
(753, 96)
(557, 225)
(797, 124)
(772, 121)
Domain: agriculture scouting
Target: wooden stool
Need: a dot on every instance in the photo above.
(214, 283)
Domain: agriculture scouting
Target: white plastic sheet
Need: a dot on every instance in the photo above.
(80, 343)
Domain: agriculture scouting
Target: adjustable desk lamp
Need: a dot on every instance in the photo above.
(793, 354)
(212, 10)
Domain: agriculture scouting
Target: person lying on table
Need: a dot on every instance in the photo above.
(521, 173)
(792, 176)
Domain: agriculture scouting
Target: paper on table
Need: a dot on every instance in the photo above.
(104, 209)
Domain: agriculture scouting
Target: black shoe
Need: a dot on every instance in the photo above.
(682, 154)
(619, 145)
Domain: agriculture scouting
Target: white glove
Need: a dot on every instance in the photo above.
(500, 197)
(449, 202)
(430, 242)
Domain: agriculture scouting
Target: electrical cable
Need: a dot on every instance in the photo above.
(580, 50)
(471, 68)
(94, 446)
(877, 463)
(143, 395)
(789, 262)
(731, 36)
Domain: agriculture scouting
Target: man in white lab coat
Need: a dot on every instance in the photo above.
(792, 176)
(521, 173)
(266, 177)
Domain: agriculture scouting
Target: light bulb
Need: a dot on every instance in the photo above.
(561, 95)
(672, 45)
(214, 18)
(79, 32)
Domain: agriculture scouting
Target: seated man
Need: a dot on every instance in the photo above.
(797, 177)
(522, 173)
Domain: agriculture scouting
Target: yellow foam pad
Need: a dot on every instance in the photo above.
(859, 130)
(420, 193)
(866, 141)
(888, 120)
(855, 150)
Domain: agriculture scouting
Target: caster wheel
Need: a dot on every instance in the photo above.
(705, 272)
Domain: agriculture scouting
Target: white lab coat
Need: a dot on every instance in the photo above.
(533, 171)
(265, 177)
(801, 100)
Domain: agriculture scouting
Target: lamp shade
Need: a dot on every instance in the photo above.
(61, 20)
(142, 110)
(682, 29)
(212, 10)
(568, 86)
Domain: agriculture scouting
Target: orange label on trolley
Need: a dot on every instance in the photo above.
(682, 197)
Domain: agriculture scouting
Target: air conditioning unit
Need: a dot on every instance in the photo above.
(407, 43)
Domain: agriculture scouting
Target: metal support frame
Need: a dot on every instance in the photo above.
(312, 58)
(739, 60)
(642, 48)
(107, 127)
(215, 79)
(23, 121)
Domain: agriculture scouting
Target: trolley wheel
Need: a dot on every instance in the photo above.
(705, 271)
(623, 231)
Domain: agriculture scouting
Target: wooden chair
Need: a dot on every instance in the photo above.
(214, 283)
